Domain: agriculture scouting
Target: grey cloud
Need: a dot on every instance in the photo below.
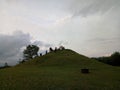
(103, 40)
(62, 43)
(103, 46)
(42, 44)
(87, 7)
(11, 46)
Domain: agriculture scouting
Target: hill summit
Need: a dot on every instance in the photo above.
(64, 57)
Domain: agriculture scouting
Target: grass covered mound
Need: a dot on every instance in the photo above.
(60, 70)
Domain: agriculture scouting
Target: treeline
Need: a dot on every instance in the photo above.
(113, 60)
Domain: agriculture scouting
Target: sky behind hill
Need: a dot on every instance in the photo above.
(90, 27)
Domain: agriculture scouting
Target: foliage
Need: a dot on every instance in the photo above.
(114, 59)
(5, 66)
(61, 48)
(30, 52)
(22, 61)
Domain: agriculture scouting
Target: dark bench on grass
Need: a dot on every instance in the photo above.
(85, 71)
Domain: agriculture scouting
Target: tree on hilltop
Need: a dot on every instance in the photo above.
(30, 52)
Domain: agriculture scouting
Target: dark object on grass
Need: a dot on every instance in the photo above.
(85, 71)
(40, 54)
(55, 49)
(21, 61)
(46, 52)
(50, 49)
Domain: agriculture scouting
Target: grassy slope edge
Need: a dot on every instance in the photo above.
(60, 71)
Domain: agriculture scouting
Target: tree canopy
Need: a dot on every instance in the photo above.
(114, 59)
(30, 52)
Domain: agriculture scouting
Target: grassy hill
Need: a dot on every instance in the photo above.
(60, 70)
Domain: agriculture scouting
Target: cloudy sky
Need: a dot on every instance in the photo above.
(90, 27)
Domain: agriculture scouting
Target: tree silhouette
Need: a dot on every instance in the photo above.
(114, 59)
(50, 49)
(30, 52)
(61, 48)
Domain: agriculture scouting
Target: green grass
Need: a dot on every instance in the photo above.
(60, 71)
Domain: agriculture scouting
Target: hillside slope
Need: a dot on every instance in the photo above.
(60, 70)
(64, 58)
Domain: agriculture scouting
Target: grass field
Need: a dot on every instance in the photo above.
(60, 71)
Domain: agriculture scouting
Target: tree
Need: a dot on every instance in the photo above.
(61, 48)
(115, 59)
(30, 52)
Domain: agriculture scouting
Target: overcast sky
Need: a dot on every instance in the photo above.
(90, 27)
